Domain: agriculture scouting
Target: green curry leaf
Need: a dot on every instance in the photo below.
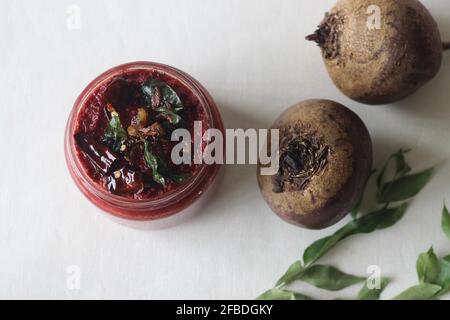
(424, 291)
(367, 293)
(355, 211)
(329, 278)
(446, 222)
(443, 279)
(406, 187)
(401, 168)
(428, 267)
(381, 219)
(293, 273)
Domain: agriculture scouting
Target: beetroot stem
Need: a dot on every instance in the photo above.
(313, 37)
(446, 46)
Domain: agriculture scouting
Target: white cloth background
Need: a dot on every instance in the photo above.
(252, 58)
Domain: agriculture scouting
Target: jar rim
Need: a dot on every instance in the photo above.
(129, 203)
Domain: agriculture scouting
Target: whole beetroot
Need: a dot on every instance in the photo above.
(325, 159)
(378, 64)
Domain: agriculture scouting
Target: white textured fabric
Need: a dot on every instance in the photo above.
(252, 58)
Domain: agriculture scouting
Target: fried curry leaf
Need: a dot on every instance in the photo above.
(179, 178)
(152, 162)
(168, 102)
(171, 116)
(115, 135)
(168, 94)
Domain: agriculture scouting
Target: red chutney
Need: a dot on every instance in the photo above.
(118, 140)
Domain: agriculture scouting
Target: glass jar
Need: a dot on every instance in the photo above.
(168, 204)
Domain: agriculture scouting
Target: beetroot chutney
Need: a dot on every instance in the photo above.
(118, 140)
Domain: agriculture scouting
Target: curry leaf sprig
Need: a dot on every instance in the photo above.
(403, 186)
(394, 185)
(433, 272)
